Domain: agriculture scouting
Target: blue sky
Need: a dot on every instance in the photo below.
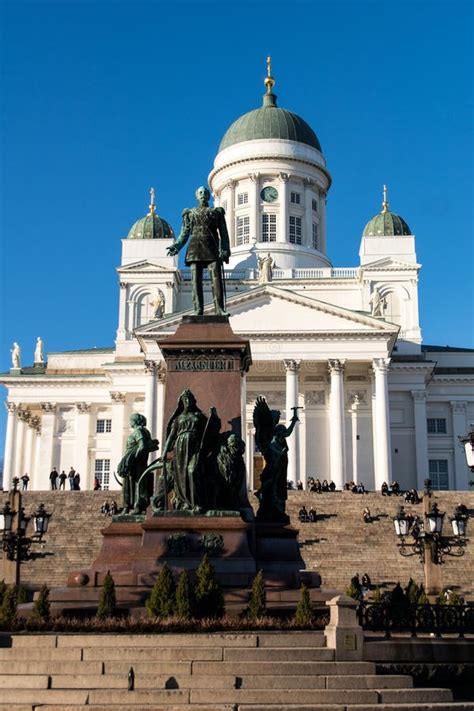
(103, 100)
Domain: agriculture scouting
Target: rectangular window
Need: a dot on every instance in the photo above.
(103, 426)
(295, 198)
(269, 227)
(242, 198)
(102, 472)
(436, 425)
(314, 204)
(315, 235)
(295, 230)
(438, 469)
(243, 230)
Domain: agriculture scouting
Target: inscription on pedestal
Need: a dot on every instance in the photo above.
(200, 363)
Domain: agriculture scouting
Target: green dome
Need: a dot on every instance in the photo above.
(386, 224)
(152, 226)
(269, 122)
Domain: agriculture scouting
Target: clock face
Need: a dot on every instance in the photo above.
(269, 194)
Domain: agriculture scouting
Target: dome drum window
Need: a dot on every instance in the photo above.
(242, 230)
(314, 205)
(296, 230)
(269, 227)
(242, 198)
(295, 198)
(314, 236)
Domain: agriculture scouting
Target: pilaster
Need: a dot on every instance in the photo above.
(282, 233)
(308, 212)
(461, 471)
(230, 188)
(255, 207)
(421, 436)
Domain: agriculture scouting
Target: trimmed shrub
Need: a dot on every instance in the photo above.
(107, 600)
(41, 606)
(162, 600)
(354, 592)
(422, 598)
(377, 595)
(209, 597)
(453, 598)
(257, 606)
(304, 614)
(185, 600)
(9, 603)
(397, 596)
(3, 589)
(21, 594)
(412, 591)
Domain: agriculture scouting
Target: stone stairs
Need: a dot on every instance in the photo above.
(207, 672)
(338, 545)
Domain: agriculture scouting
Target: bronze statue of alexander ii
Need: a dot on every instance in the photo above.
(206, 230)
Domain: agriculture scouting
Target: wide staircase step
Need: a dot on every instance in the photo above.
(213, 672)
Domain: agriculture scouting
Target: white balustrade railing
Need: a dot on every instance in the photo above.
(281, 274)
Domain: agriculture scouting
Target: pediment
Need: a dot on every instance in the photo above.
(269, 310)
(390, 264)
(144, 265)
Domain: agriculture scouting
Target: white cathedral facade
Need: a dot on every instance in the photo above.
(343, 343)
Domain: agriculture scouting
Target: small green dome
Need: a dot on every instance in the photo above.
(269, 122)
(152, 226)
(386, 223)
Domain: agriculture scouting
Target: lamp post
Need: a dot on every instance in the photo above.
(428, 541)
(16, 544)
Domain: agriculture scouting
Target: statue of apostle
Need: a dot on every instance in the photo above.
(208, 247)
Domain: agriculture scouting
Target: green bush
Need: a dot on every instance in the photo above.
(41, 607)
(185, 599)
(377, 595)
(422, 598)
(162, 600)
(257, 606)
(209, 597)
(8, 608)
(21, 594)
(304, 614)
(3, 589)
(412, 591)
(454, 598)
(397, 596)
(107, 600)
(354, 592)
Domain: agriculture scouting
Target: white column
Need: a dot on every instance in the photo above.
(118, 434)
(81, 464)
(159, 432)
(336, 423)
(421, 437)
(28, 448)
(355, 441)
(374, 425)
(384, 453)
(48, 424)
(35, 476)
(23, 417)
(150, 395)
(122, 326)
(461, 472)
(249, 455)
(282, 233)
(292, 368)
(230, 212)
(9, 455)
(308, 212)
(243, 406)
(255, 207)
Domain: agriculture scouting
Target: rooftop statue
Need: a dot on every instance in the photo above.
(206, 229)
(265, 269)
(16, 355)
(137, 489)
(39, 355)
(270, 437)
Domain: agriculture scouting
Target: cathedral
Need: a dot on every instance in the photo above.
(343, 344)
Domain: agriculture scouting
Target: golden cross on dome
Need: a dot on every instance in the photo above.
(152, 201)
(269, 80)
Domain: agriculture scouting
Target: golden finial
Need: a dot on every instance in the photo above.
(269, 80)
(385, 201)
(152, 202)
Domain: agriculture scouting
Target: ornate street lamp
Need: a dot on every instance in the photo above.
(16, 544)
(468, 443)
